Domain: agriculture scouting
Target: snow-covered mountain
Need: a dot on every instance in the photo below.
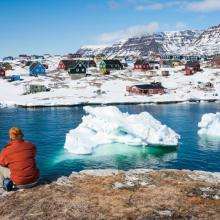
(208, 42)
(176, 42)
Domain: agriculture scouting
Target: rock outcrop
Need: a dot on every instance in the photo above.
(113, 194)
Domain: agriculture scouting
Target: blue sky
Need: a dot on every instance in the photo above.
(62, 26)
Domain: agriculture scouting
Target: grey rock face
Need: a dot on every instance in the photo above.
(191, 42)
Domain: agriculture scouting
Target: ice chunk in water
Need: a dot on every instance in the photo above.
(106, 125)
(210, 125)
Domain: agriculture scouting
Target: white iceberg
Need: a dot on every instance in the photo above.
(210, 125)
(106, 125)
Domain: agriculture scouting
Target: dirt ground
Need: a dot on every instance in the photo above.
(124, 195)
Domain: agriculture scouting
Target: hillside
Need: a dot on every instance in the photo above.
(193, 42)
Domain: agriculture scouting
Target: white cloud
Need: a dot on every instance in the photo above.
(129, 32)
(204, 6)
(158, 6)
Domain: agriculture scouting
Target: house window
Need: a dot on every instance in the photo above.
(80, 65)
(77, 70)
(83, 69)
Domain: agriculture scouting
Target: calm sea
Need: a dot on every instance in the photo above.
(47, 127)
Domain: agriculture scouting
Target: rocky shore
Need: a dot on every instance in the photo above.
(113, 194)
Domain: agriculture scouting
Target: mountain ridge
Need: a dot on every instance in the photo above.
(187, 42)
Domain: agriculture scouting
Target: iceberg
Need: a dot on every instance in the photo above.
(210, 125)
(107, 125)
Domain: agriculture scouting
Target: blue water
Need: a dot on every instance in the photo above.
(47, 127)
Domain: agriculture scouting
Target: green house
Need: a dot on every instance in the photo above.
(107, 65)
(77, 70)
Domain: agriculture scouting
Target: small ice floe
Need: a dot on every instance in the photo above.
(210, 125)
(107, 125)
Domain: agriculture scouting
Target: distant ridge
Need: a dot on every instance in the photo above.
(188, 42)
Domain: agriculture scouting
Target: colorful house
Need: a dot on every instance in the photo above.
(154, 65)
(108, 65)
(192, 67)
(78, 70)
(66, 64)
(37, 69)
(146, 89)
(2, 72)
(141, 65)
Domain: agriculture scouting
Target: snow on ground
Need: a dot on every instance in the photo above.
(96, 88)
(210, 125)
(107, 125)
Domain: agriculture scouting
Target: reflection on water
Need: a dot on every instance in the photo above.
(209, 143)
(117, 154)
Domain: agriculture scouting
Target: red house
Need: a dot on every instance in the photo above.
(66, 64)
(146, 89)
(141, 65)
(192, 67)
(2, 72)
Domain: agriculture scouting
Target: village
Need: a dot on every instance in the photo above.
(69, 80)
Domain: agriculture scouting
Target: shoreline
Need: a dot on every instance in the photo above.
(82, 104)
(116, 194)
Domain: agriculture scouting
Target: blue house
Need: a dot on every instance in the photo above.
(37, 69)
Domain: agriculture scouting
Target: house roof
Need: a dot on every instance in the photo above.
(192, 63)
(76, 63)
(112, 62)
(69, 63)
(150, 86)
(141, 62)
(33, 65)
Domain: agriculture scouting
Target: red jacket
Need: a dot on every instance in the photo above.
(19, 157)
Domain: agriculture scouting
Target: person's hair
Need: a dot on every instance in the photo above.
(16, 134)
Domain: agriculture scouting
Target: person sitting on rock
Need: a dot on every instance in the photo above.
(17, 161)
